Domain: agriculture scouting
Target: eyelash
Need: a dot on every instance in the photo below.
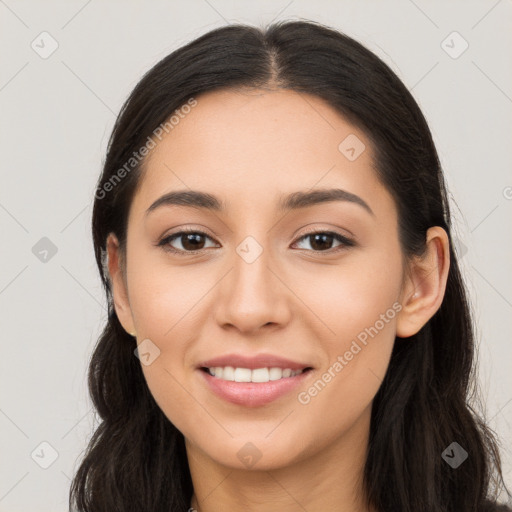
(165, 242)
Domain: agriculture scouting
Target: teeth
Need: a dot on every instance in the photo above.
(260, 375)
(248, 375)
(242, 375)
(275, 373)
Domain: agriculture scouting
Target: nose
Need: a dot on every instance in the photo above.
(253, 295)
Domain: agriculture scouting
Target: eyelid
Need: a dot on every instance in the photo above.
(342, 233)
(164, 241)
(344, 240)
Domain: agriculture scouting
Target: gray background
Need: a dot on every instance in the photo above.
(57, 113)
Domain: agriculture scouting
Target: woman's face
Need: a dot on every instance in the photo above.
(259, 283)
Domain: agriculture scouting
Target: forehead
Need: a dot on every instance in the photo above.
(252, 146)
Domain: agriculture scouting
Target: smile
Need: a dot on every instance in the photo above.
(272, 384)
(256, 375)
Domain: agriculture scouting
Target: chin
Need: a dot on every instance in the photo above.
(256, 453)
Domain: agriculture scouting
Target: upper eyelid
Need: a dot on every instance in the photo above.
(175, 235)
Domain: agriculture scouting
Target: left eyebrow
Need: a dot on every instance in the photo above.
(308, 198)
(293, 201)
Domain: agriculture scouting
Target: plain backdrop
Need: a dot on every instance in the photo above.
(66, 69)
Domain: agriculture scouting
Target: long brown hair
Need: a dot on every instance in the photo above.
(136, 459)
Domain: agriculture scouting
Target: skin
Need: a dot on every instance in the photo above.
(248, 148)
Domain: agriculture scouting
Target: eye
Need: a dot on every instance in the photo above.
(321, 240)
(193, 241)
(190, 241)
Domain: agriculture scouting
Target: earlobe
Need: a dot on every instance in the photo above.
(118, 284)
(425, 286)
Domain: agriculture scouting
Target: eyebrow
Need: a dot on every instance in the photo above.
(293, 201)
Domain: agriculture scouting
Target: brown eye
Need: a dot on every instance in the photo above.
(186, 241)
(321, 241)
(191, 241)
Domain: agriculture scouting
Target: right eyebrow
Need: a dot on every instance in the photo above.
(192, 198)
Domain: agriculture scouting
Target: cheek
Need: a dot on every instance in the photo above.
(351, 296)
(164, 297)
(166, 300)
(358, 306)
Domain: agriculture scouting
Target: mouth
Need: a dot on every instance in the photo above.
(256, 375)
(253, 381)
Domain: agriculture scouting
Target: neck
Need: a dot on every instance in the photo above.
(330, 479)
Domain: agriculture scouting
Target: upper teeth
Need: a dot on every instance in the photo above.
(248, 375)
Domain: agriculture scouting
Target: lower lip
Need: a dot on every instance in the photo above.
(253, 394)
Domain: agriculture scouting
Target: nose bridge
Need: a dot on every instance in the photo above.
(252, 294)
(252, 266)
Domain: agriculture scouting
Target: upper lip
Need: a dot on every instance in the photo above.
(253, 362)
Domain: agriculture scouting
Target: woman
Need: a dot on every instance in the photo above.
(288, 327)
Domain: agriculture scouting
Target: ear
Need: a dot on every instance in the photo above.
(117, 273)
(424, 287)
